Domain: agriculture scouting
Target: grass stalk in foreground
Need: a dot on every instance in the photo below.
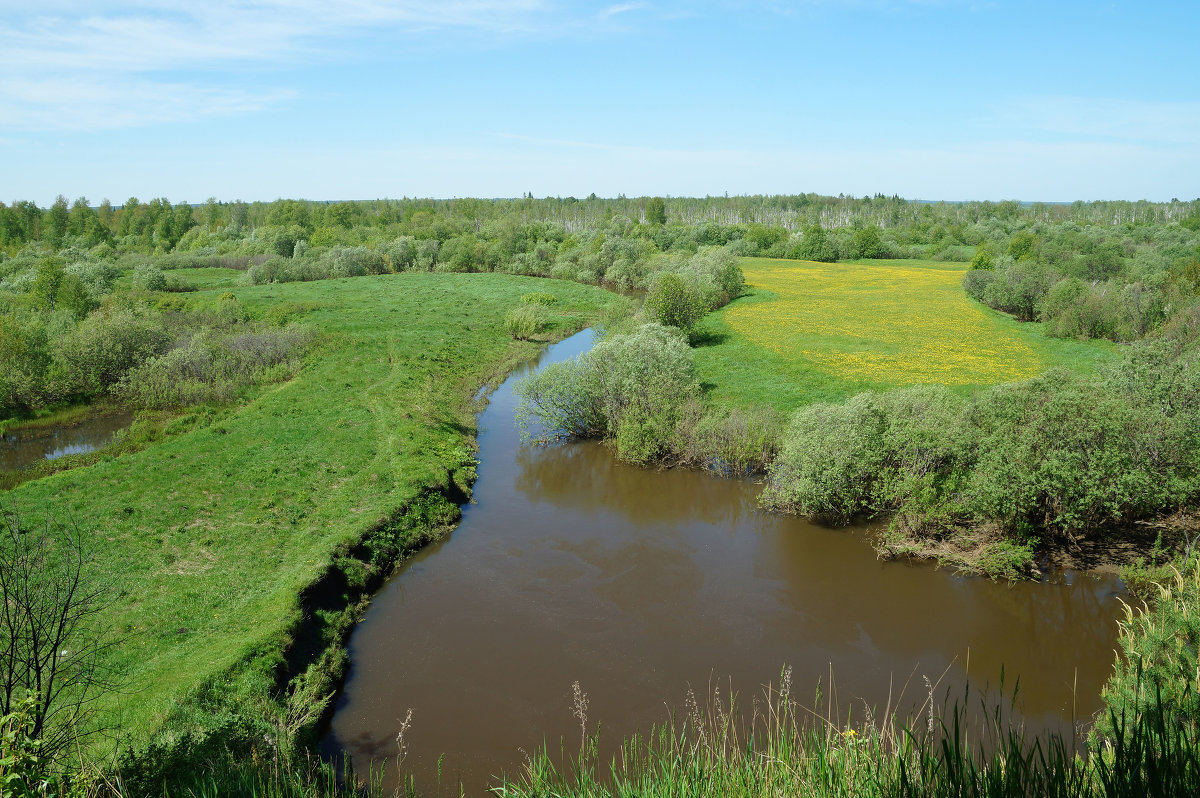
(784, 751)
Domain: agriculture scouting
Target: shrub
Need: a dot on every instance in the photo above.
(1062, 454)
(525, 321)
(976, 281)
(903, 449)
(213, 368)
(98, 352)
(149, 278)
(815, 245)
(674, 301)
(640, 377)
(732, 441)
(539, 298)
(719, 266)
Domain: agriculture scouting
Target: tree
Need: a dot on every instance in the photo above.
(48, 281)
(56, 220)
(815, 246)
(868, 243)
(656, 211)
(53, 650)
(983, 259)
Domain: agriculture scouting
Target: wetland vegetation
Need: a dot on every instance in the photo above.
(1004, 383)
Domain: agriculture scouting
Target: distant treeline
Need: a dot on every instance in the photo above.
(159, 225)
(1117, 270)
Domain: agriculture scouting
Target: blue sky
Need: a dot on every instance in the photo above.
(358, 100)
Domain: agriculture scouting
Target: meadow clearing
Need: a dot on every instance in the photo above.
(808, 331)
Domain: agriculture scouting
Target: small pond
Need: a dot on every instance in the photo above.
(22, 448)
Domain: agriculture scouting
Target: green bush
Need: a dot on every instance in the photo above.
(149, 278)
(539, 298)
(213, 368)
(676, 301)
(526, 320)
(902, 449)
(1063, 454)
(628, 387)
(98, 352)
(732, 441)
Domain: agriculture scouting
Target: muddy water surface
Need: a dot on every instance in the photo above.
(22, 448)
(572, 567)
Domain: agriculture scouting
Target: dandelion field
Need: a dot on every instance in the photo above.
(821, 331)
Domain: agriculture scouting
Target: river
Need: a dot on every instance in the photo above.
(569, 566)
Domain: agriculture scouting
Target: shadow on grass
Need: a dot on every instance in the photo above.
(709, 338)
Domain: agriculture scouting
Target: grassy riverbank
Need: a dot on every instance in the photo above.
(214, 537)
(820, 332)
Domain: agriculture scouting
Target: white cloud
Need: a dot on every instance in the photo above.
(139, 47)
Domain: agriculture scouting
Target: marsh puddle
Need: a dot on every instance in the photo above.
(570, 566)
(22, 448)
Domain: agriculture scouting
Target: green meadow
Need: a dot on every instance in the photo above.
(210, 536)
(817, 332)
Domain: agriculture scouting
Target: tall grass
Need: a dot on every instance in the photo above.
(785, 750)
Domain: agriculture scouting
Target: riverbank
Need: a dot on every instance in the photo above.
(981, 437)
(235, 541)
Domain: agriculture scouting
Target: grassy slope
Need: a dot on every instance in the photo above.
(211, 534)
(876, 301)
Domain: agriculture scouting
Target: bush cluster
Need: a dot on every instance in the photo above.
(1060, 456)
(139, 355)
(1087, 285)
(638, 391)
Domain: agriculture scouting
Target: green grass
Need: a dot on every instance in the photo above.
(207, 278)
(210, 535)
(823, 332)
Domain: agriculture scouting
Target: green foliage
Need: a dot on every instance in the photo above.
(891, 451)
(214, 368)
(676, 301)
(815, 245)
(627, 387)
(1062, 454)
(656, 211)
(25, 770)
(539, 298)
(526, 320)
(868, 243)
(982, 259)
(102, 348)
(1023, 246)
(1155, 673)
(730, 441)
(149, 278)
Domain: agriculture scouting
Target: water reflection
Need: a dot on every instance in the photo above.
(22, 448)
(571, 566)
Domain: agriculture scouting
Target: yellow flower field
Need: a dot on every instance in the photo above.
(882, 323)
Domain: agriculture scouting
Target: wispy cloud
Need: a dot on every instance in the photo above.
(1113, 119)
(74, 104)
(125, 59)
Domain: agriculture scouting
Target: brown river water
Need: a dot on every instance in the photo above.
(569, 566)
